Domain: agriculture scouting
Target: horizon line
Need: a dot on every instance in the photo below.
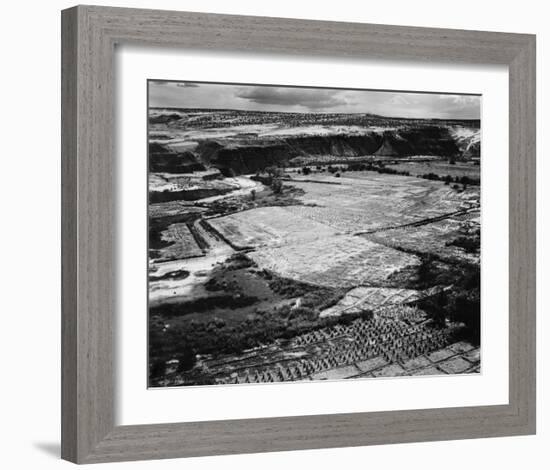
(313, 112)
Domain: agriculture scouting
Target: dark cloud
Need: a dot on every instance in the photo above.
(307, 98)
(187, 85)
(173, 84)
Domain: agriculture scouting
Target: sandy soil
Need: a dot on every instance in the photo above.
(199, 269)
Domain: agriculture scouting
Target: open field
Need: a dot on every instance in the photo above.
(182, 243)
(436, 238)
(376, 299)
(368, 201)
(341, 260)
(172, 208)
(268, 226)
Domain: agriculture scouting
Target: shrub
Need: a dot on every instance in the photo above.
(469, 244)
(157, 369)
(464, 307)
(357, 167)
(304, 312)
(274, 171)
(277, 186)
(389, 171)
(436, 307)
(186, 359)
(459, 304)
(431, 176)
(426, 270)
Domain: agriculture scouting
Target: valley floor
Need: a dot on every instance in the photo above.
(323, 281)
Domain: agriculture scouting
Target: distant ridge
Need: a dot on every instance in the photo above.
(295, 113)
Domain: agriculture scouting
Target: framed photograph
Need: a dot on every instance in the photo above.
(285, 234)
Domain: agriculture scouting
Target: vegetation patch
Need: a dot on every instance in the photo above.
(470, 244)
(460, 303)
(246, 307)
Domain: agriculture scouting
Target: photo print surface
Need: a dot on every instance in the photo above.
(311, 233)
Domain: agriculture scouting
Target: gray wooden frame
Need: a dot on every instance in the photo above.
(89, 35)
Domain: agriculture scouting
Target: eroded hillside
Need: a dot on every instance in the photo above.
(240, 142)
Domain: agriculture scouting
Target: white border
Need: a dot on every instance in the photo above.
(135, 404)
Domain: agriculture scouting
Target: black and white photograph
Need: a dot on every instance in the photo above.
(275, 235)
(299, 234)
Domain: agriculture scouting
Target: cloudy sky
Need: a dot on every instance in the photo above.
(316, 100)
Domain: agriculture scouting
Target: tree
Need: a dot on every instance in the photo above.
(437, 307)
(186, 359)
(464, 306)
(277, 186)
(157, 369)
(426, 270)
(306, 170)
(274, 172)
